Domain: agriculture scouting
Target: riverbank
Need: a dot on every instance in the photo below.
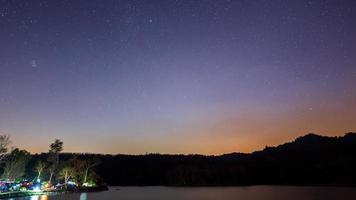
(16, 194)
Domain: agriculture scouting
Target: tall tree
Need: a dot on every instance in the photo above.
(39, 168)
(4, 145)
(83, 168)
(15, 164)
(88, 165)
(56, 148)
(51, 171)
(67, 172)
(53, 157)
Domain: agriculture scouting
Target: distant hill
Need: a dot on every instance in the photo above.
(308, 160)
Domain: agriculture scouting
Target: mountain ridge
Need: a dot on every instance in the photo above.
(308, 160)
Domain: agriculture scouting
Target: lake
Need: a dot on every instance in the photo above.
(210, 193)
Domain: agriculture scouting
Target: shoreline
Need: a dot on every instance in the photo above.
(247, 185)
(16, 194)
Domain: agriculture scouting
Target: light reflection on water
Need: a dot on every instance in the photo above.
(83, 196)
(43, 197)
(39, 197)
(36, 197)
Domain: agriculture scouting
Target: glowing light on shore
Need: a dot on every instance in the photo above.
(37, 189)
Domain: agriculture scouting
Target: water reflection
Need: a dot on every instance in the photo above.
(36, 197)
(208, 193)
(83, 196)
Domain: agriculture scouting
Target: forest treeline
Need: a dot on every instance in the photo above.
(308, 160)
(20, 171)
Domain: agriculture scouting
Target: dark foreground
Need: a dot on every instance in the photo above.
(209, 193)
(308, 160)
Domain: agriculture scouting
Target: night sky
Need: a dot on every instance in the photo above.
(174, 76)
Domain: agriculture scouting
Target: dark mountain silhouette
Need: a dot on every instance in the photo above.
(308, 160)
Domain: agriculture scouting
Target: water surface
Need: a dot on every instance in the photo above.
(210, 193)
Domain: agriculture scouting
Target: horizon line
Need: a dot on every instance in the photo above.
(197, 154)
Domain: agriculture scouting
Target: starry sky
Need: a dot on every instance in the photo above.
(175, 76)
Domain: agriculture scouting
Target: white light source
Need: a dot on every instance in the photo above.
(37, 189)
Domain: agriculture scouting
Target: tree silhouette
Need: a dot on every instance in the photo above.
(4, 145)
(15, 164)
(53, 158)
(55, 148)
